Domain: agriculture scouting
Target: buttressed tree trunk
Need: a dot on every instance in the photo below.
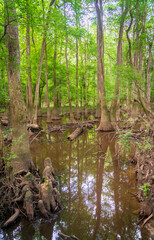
(20, 143)
(105, 123)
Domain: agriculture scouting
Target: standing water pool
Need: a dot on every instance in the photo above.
(97, 186)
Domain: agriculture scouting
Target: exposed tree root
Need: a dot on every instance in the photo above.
(147, 219)
(32, 193)
(12, 218)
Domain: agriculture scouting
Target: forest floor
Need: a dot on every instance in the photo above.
(138, 133)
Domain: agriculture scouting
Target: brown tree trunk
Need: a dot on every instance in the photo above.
(77, 79)
(20, 159)
(98, 107)
(148, 74)
(67, 70)
(85, 82)
(38, 82)
(46, 80)
(116, 101)
(29, 96)
(55, 94)
(77, 63)
(105, 123)
(40, 65)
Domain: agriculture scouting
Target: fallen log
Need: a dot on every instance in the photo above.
(34, 127)
(56, 129)
(12, 218)
(75, 134)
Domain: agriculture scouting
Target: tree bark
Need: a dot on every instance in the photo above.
(21, 159)
(40, 65)
(116, 101)
(55, 94)
(105, 123)
(77, 79)
(29, 92)
(148, 74)
(85, 82)
(67, 70)
(46, 80)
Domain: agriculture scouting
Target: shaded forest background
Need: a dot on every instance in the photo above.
(58, 55)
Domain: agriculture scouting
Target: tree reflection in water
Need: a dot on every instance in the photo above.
(94, 182)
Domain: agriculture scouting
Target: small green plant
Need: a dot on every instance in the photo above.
(7, 160)
(145, 144)
(145, 188)
(124, 140)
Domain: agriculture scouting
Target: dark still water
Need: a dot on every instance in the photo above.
(96, 184)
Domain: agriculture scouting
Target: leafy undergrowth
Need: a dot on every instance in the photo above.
(137, 136)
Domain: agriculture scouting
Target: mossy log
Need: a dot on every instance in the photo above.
(75, 134)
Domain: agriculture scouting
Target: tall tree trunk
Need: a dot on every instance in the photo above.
(36, 100)
(67, 70)
(29, 96)
(55, 94)
(105, 123)
(148, 74)
(40, 65)
(77, 79)
(77, 62)
(116, 101)
(98, 107)
(85, 82)
(46, 80)
(20, 144)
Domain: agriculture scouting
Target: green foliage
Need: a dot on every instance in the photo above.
(81, 24)
(145, 188)
(8, 158)
(124, 139)
(145, 144)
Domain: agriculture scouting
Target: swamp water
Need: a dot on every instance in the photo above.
(96, 184)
